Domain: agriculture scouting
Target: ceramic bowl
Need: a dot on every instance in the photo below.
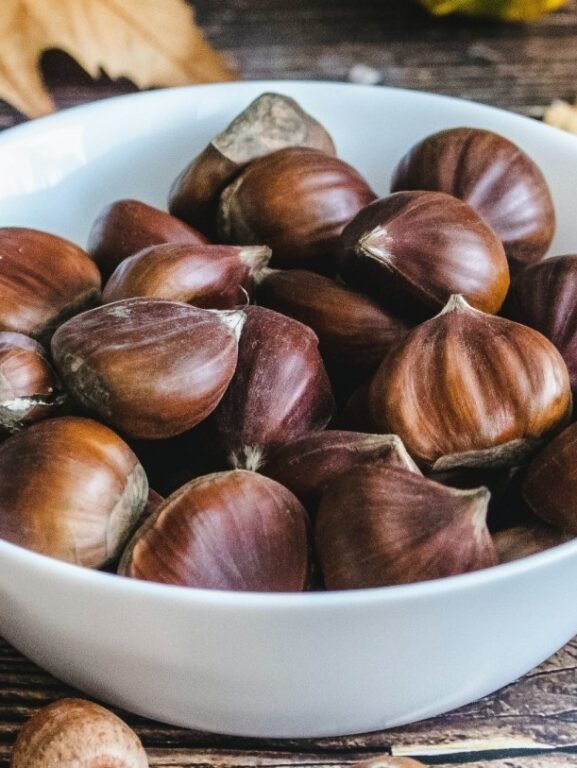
(270, 665)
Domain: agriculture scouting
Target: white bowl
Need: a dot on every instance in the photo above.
(288, 665)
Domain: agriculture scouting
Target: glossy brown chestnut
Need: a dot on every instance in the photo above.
(307, 465)
(210, 276)
(271, 122)
(279, 392)
(297, 201)
(352, 328)
(544, 296)
(412, 250)
(550, 486)
(29, 387)
(44, 280)
(148, 367)
(495, 177)
(383, 525)
(522, 541)
(127, 226)
(71, 489)
(231, 530)
(467, 388)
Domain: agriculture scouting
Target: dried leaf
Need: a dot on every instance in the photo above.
(152, 42)
(562, 115)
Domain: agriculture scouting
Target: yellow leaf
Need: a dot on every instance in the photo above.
(152, 42)
(510, 10)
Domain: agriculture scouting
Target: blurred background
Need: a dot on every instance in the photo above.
(519, 66)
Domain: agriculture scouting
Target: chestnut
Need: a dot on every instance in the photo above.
(356, 415)
(297, 201)
(307, 465)
(71, 733)
(280, 389)
(271, 122)
(412, 250)
(544, 296)
(471, 389)
(29, 387)
(352, 328)
(383, 525)
(127, 226)
(550, 484)
(71, 489)
(524, 540)
(150, 368)
(230, 530)
(210, 276)
(500, 181)
(44, 280)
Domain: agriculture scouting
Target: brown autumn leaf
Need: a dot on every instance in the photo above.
(152, 42)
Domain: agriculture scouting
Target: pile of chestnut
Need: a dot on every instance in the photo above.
(323, 388)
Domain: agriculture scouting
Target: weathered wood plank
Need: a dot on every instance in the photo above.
(537, 713)
(500, 64)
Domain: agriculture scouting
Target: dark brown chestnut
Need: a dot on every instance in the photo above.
(352, 328)
(279, 392)
(524, 540)
(71, 489)
(500, 181)
(468, 388)
(307, 465)
(550, 485)
(44, 280)
(412, 250)
(297, 201)
(148, 367)
(356, 415)
(29, 387)
(506, 506)
(271, 122)
(210, 276)
(127, 226)
(544, 296)
(231, 530)
(382, 525)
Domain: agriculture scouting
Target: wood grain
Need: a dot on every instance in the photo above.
(528, 724)
(522, 67)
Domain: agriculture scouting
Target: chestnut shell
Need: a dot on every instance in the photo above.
(280, 389)
(127, 226)
(544, 297)
(470, 388)
(412, 250)
(30, 390)
(500, 181)
(229, 530)
(44, 280)
(382, 525)
(352, 328)
(71, 489)
(297, 201)
(150, 368)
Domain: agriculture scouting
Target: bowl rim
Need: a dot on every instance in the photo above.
(282, 601)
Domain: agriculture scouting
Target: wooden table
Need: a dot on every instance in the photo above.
(533, 722)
